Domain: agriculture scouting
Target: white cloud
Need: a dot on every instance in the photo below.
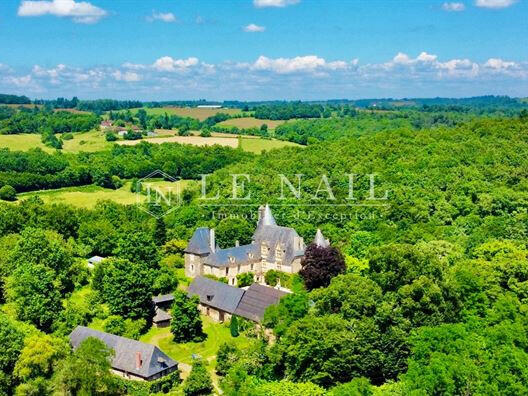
(497, 63)
(167, 63)
(495, 3)
(274, 3)
(127, 76)
(162, 16)
(309, 63)
(252, 28)
(80, 12)
(453, 7)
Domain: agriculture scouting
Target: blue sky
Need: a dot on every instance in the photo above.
(263, 49)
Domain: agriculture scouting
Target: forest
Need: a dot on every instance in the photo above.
(430, 299)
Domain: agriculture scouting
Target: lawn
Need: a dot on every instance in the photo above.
(217, 334)
(251, 122)
(259, 145)
(193, 112)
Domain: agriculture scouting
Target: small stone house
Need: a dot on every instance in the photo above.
(162, 304)
(132, 359)
(220, 301)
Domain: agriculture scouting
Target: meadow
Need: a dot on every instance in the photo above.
(88, 196)
(250, 122)
(193, 112)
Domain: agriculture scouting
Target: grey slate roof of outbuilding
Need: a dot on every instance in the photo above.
(161, 316)
(255, 301)
(163, 299)
(200, 242)
(215, 294)
(240, 254)
(95, 259)
(154, 360)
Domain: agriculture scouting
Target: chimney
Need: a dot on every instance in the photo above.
(212, 243)
(237, 243)
(139, 362)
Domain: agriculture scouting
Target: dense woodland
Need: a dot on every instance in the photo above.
(431, 300)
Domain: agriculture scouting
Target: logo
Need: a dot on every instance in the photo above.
(158, 193)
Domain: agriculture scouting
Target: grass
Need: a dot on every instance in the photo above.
(217, 334)
(251, 122)
(22, 142)
(88, 196)
(193, 112)
(85, 196)
(85, 141)
(259, 145)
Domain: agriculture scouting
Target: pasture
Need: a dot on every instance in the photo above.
(194, 140)
(250, 122)
(258, 145)
(192, 112)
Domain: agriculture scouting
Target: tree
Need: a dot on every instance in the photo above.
(7, 193)
(226, 357)
(186, 325)
(12, 341)
(39, 357)
(290, 308)
(245, 279)
(199, 381)
(320, 265)
(127, 288)
(114, 324)
(34, 293)
(231, 229)
(139, 247)
(357, 387)
(233, 326)
(87, 371)
(160, 231)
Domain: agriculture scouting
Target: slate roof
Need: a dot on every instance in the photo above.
(215, 294)
(154, 360)
(255, 301)
(274, 235)
(266, 217)
(163, 299)
(95, 259)
(199, 243)
(161, 315)
(320, 240)
(240, 254)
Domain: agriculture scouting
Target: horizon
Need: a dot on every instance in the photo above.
(263, 50)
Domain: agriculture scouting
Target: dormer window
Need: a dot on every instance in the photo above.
(210, 297)
(231, 259)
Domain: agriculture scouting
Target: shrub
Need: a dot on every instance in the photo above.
(67, 136)
(7, 193)
(111, 137)
(245, 279)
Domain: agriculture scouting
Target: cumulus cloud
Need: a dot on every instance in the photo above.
(453, 7)
(252, 28)
(309, 63)
(309, 76)
(168, 64)
(495, 3)
(274, 3)
(167, 17)
(127, 76)
(79, 12)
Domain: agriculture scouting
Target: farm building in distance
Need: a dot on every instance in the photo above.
(132, 359)
(209, 106)
(221, 301)
(272, 248)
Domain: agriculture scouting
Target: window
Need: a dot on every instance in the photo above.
(251, 266)
(192, 267)
(227, 271)
(238, 268)
(233, 281)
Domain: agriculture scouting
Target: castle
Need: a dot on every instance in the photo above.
(272, 248)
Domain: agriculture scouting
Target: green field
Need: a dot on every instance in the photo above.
(85, 141)
(217, 334)
(193, 112)
(258, 145)
(250, 122)
(88, 196)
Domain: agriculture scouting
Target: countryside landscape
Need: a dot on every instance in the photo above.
(197, 205)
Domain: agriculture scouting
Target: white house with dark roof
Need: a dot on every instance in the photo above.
(132, 359)
(272, 248)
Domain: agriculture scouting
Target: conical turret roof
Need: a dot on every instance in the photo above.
(320, 240)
